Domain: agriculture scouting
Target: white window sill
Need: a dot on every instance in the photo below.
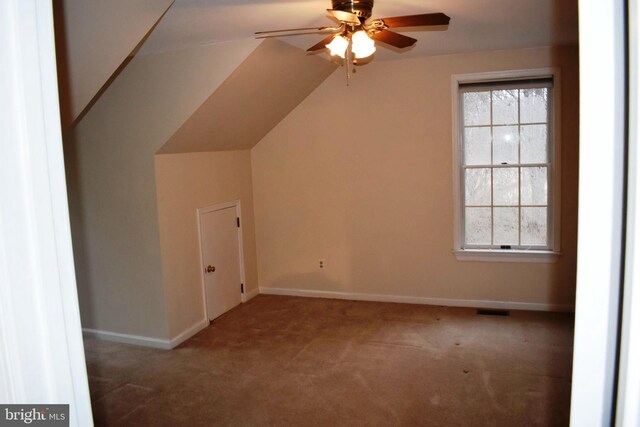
(510, 255)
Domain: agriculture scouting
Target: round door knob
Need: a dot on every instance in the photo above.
(210, 269)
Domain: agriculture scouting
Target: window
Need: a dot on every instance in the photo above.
(506, 163)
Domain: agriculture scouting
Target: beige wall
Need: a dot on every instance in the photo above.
(186, 182)
(361, 176)
(109, 158)
(93, 38)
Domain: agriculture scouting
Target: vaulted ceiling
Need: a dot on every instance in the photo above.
(95, 38)
(93, 41)
(252, 100)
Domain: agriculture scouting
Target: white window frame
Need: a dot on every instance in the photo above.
(508, 255)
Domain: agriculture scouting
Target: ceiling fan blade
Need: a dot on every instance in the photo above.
(423, 20)
(343, 16)
(298, 29)
(394, 39)
(272, 36)
(321, 44)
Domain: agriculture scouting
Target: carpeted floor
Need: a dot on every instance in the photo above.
(304, 361)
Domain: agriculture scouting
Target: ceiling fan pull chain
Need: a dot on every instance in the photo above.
(347, 61)
(347, 70)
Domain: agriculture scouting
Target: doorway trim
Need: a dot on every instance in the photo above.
(42, 357)
(213, 208)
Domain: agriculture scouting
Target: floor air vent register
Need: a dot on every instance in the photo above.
(491, 312)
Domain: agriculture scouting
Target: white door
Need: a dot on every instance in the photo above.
(221, 260)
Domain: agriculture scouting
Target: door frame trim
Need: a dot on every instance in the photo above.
(209, 209)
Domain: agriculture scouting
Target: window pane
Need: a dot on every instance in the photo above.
(505, 226)
(477, 146)
(506, 156)
(533, 229)
(505, 107)
(477, 186)
(505, 145)
(477, 108)
(534, 186)
(533, 105)
(533, 144)
(477, 228)
(505, 186)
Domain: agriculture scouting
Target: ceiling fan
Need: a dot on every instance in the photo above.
(354, 38)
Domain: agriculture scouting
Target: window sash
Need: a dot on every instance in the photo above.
(550, 225)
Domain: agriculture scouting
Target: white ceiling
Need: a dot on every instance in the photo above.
(476, 25)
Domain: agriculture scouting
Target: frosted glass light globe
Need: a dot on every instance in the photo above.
(363, 46)
(338, 46)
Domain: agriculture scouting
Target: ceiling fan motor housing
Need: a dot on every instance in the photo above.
(362, 8)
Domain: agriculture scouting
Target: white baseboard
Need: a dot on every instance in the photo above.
(185, 335)
(128, 339)
(200, 325)
(511, 305)
(147, 341)
(251, 294)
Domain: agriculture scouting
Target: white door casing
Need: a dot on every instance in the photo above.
(222, 266)
(41, 349)
(600, 211)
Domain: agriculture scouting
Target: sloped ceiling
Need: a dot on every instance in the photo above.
(93, 40)
(262, 91)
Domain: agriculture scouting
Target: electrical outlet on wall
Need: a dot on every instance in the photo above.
(321, 264)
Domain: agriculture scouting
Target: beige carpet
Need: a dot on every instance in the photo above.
(305, 361)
